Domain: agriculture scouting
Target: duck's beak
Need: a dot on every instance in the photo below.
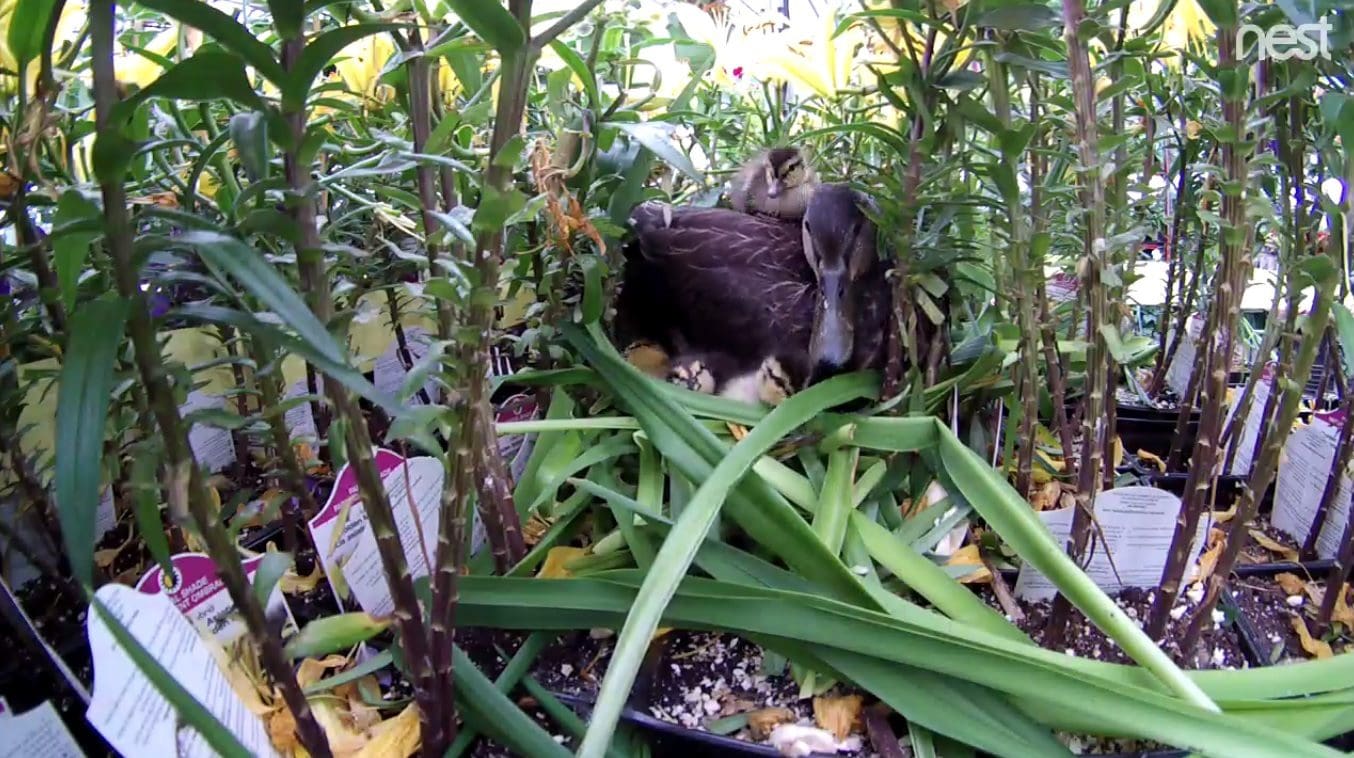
(833, 338)
(774, 188)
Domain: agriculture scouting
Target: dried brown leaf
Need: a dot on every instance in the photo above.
(394, 738)
(1273, 546)
(313, 670)
(1292, 584)
(839, 715)
(969, 555)
(1047, 496)
(761, 722)
(1343, 613)
(1314, 647)
(1152, 458)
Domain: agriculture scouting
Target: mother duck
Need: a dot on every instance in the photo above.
(753, 306)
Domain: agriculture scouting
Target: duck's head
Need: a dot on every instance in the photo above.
(785, 170)
(839, 241)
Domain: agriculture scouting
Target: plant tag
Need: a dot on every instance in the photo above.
(37, 733)
(212, 446)
(1137, 522)
(1250, 430)
(1182, 365)
(516, 448)
(1304, 468)
(392, 367)
(198, 592)
(127, 709)
(106, 515)
(300, 419)
(347, 545)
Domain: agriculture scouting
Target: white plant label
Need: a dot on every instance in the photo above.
(127, 709)
(300, 419)
(1250, 430)
(212, 447)
(106, 515)
(199, 594)
(37, 733)
(390, 369)
(345, 541)
(1303, 471)
(1137, 522)
(1182, 365)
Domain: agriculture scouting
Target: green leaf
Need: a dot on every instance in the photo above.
(492, 22)
(657, 138)
(225, 30)
(1024, 17)
(369, 666)
(338, 370)
(83, 395)
(288, 16)
(71, 237)
(495, 714)
(146, 507)
(249, 132)
(270, 570)
(245, 265)
(495, 207)
(319, 54)
(332, 634)
(592, 288)
(186, 707)
(580, 69)
(1344, 330)
(28, 29)
(211, 74)
(684, 540)
(111, 156)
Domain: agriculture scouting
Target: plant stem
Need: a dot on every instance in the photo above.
(187, 490)
(375, 500)
(1226, 308)
(1094, 262)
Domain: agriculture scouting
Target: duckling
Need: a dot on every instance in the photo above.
(769, 383)
(779, 183)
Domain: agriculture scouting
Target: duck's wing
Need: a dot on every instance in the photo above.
(735, 281)
(710, 237)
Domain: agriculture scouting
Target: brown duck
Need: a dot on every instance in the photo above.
(745, 301)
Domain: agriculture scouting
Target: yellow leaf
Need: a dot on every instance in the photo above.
(968, 555)
(1314, 647)
(1343, 613)
(838, 715)
(556, 561)
(1222, 517)
(344, 740)
(761, 722)
(395, 738)
(312, 670)
(104, 558)
(1209, 560)
(293, 583)
(1292, 584)
(1153, 459)
(1263, 540)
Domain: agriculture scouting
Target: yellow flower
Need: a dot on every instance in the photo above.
(1186, 25)
(360, 65)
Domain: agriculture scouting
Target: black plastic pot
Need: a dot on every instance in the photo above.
(1154, 434)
